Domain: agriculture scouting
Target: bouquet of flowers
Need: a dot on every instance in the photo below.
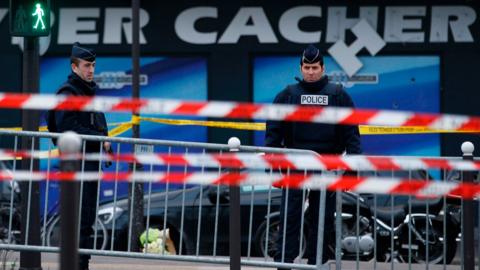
(158, 242)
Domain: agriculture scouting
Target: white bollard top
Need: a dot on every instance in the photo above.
(234, 144)
(468, 148)
(69, 143)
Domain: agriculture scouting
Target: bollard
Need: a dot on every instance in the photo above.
(468, 213)
(69, 144)
(234, 233)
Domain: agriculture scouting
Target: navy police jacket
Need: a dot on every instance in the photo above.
(82, 122)
(321, 138)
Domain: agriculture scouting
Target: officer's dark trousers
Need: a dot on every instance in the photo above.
(294, 212)
(89, 204)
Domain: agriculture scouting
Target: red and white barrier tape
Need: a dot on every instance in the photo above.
(356, 184)
(329, 115)
(276, 161)
(298, 161)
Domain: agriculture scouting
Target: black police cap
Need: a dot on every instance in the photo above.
(87, 54)
(311, 55)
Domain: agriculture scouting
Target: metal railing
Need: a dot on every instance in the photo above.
(197, 231)
(372, 231)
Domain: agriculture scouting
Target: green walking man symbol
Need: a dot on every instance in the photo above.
(39, 13)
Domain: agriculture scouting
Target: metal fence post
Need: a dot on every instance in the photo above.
(69, 145)
(468, 213)
(30, 260)
(234, 219)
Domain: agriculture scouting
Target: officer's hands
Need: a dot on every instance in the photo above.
(108, 148)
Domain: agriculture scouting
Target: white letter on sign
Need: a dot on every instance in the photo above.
(459, 18)
(338, 22)
(346, 57)
(396, 22)
(185, 25)
(73, 25)
(240, 26)
(3, 12)
(118, 18)
(289, 24)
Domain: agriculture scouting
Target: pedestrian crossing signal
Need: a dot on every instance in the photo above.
(29, 18)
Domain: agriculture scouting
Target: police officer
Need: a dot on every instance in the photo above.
(313, 90)
(80, 83)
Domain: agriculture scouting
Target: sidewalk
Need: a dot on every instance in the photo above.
(50, 262)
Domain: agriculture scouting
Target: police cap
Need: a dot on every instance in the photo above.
(311, 55)
(81, 52)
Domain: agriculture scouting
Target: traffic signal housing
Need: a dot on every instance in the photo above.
(29, 18)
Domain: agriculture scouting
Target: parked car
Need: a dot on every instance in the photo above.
(115, 216)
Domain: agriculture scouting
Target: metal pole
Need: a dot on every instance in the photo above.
(321, 228)
(69, 143)
(30, 81)
(234, 233)
(136, 189)
(468, 213)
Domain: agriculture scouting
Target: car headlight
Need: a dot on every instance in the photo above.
(107, 214)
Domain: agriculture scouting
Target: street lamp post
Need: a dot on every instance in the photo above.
(136, 189)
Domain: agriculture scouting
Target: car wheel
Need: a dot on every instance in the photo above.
(261, 238)
(53, 234)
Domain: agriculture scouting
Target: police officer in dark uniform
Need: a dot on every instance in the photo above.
(314, 90)
(80, 83)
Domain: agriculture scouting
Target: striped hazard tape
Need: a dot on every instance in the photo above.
(295, 161)
(277, 161)
(379, 185)
(122, 127)
(118, 128)
(330, 115)
(257, 126)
